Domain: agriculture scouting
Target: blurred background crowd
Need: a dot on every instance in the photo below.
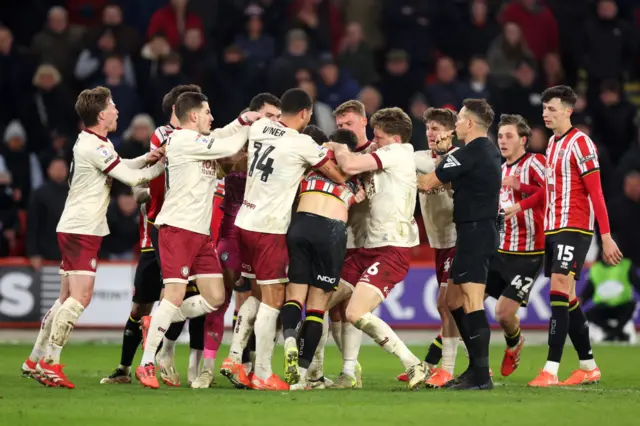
(407, 53)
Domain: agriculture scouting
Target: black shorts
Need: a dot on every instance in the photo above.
(513, 276)
(565, 253)
(147, 283)
(476, 244)
(317, 248)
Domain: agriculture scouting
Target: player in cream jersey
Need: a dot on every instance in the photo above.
(374, 270)
(187, 250)
(278, 157)
(436, 206)
(82, 225)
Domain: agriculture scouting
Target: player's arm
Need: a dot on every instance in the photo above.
(228, 130)
(351, 163)
(141, 194)
(535, 190)
(585, 156)
(144, 160)
(107, 160)
(321, 159)
(213, 148)
(451, 167)
(425, 163)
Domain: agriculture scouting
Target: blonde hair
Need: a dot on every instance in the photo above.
(46, 69)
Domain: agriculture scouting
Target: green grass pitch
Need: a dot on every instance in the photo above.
(382, 401)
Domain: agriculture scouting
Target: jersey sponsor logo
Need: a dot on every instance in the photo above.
(248, 204)
(209, 168)
(435, 191)
(326, 279)
(451, 161)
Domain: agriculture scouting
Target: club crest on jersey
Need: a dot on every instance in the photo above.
(224, 256)
(517, 171)
(93, 263)
(561, 153)
(185, 271)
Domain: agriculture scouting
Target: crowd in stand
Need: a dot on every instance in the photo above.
(407, 53)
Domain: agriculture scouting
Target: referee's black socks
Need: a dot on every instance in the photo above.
(458, 317)
(558, 324)
(479, 335)
(291, 315)
(579, 331)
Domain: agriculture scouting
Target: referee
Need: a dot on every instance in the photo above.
(476, 178)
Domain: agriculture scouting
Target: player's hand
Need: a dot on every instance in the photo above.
(511, 211)
(361, 195)
(251, 116)
(610, 251)
(444, 141)
(511, 182)
(334, 146)
(36, 262)
(156, 155)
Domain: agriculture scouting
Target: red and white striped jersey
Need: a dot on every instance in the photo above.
(315, 182)
(569, 159)
(220, 189)
(145, 229)
(524, 233)
(156, 186)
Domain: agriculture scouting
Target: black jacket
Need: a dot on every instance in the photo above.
(45, 209)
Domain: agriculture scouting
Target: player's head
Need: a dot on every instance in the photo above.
(351, 115)
(513, 136)
(266, 104)
(391, 125)
(297, 108)
(316, 134)
(95, 107)
(192, 111)
(474, 119)
(171, 98)
(557, 106)
(437, 121)
(345, 137)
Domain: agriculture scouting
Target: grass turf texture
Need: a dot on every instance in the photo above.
(382, 401)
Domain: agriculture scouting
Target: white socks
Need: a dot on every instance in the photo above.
(160, 322)
(449, 352)
(168, 349)
(195, 356)
(384, 336)
(245, 321)
(265, 329)
(194, 307)
(61, 328)
(552, 367)
(336, 332)
(40, 346)
(588, 364)
(351, 341)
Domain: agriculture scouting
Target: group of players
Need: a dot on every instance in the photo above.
(322, 223)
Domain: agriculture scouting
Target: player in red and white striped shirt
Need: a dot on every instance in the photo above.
(573, 199)
(516, 265)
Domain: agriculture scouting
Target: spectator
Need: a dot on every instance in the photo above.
(25, 170)
(524, 94)
(419, 129)
(123, 218)
(322, 113)
(552, 71)
(8, 212)
(446, 91)
(16, 70)
(539, 27)
(60, 147)
(122, 93)
(137, 138)
(604, 159)
(173, 20)
(478, 85)
(127, 37)
(169, 76)
(356, 56)
(539, 140)
(608, 46)
(372, 100)
(90, 64)
(43, 214)
(150, 60)
(625, 211)
(297, 56)
(506, 52)
(335, 86)
(614, 120)
(50, 108)
(368, 14)
(480, 31)
(197, 61)
(58, 43)
(258, 46)
(397, 83)
(233, 86)
(321, 21)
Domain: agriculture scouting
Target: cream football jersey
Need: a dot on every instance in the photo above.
(391, 190)
(191, 176)
(278, 157)
(436, 206)
(85, 211)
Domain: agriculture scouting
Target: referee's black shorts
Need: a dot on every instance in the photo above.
(476, 244)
